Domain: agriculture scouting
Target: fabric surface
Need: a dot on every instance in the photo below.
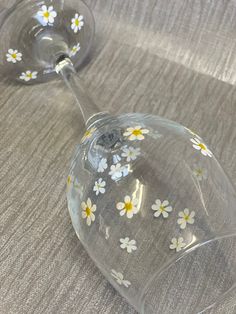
(171, 58)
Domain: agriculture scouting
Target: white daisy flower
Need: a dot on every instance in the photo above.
(130, 153)
(88, 210)
(77, 22)
(28, 75)
(161, 208)
(102, 166)
(177, 244)
(136, 133)
(99, 186)
(88, 134)
(47, 13)
(129, 207)
(74, 50)
(13, 56)
(116, 158)
(127, 244)
(199, 172)
(120, 278)
(197, 144)
(116, 171)
(186, 218)
(192, 132)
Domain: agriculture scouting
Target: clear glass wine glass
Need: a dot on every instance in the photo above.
(147, 198)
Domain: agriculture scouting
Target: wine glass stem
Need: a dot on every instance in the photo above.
(88, 108)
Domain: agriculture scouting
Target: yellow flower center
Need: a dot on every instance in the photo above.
(69, 180)
(77, 22)
(87, 133)
(88, 211)
(202, 146)
(162, 208)
(137, 132)
(199, 172)
(14, 55)
(128, 206)
(29, 75)
(46, 14)
(186, 217)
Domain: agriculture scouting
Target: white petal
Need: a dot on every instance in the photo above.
(130, 214)
(122, 212)
(157, 213)
(165, 203)
(120, 205)
(127, 199)
(165, 214)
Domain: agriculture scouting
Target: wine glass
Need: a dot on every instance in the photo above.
(147, 198)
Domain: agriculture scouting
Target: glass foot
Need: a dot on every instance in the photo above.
(34, 34)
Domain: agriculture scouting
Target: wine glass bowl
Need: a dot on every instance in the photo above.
(152, 206)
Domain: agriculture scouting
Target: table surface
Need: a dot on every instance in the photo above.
(172, 58)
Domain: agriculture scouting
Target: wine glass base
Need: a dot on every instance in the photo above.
(34, 34)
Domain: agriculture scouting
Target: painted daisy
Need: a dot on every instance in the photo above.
(119, 277)
(13, 56)
(136, 133)
(186, 218)
(129, 245)
(77, 22)
(130, 153)
(116, 171)
(28, 75)
(88, 134)
(99, 186)
(48, 14)
(197, 144)
(102, 166)
(199, 172)
(88, 210)
(74, 50)
(177, 244)
(128, 207)
(161, 208)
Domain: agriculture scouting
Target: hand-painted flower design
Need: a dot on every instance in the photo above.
(48, 14)
(28, 75)
(102, 166)
(197, 144)
(77, 22)
(199, 172)
(136, 133)
(186, 218)
(74, 50)
(130, 153)
(129, 207)
(99, 186)
(13, 56)
(161, 208)
(119, 277)
(116, 171)
(192, 132)
(177, 244)
(88, 210)
(88, 134)
(129, 245)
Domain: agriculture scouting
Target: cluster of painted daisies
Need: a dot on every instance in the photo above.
(46, 16)
(129, 206)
